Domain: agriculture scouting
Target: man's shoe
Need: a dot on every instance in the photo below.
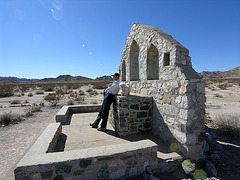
(93, 125)
(102, 129)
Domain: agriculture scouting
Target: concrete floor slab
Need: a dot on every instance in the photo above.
(78, 134)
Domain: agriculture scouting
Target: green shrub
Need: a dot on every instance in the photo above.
(229, 124)
(53, 98)
(9, 118)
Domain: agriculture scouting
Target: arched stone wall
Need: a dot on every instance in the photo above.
(134, 62)
(152, 63)
(178, 92)
(123, 71)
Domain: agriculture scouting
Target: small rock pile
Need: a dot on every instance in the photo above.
(204, 169)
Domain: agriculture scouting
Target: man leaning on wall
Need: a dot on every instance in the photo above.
(109, 94)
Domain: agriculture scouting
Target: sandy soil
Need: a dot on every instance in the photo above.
(17, 138)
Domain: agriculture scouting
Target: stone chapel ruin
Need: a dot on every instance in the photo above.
(167, 95)
(167, 99)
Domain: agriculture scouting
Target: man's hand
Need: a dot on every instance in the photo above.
(104, 92)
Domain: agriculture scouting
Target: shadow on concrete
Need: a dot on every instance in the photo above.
(68, 122)
(61, 143)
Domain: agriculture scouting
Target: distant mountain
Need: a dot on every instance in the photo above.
(65, 78)
(22, 80)
(104, 78)
(6, 81)
(233, 73)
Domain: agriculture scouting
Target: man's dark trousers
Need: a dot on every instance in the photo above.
(104, 111)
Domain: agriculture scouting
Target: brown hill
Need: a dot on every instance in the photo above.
(233, 73)
(6, 81)
(65, 78)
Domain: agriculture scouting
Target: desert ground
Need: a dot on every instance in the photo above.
(35, 113)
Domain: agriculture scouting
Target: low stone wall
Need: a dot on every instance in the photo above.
(131, 115)
(64, 112)
(105, 162)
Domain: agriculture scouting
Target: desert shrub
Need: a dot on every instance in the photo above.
(5, 91)
(81, 92)
(229, 124)
(70, 102)
(218, 95)
(94, 102)
(41, 104)
(93, 93)
(79, 98)
(69, 91)
(100, 86)
(39, 92)
(89, 90)
(30, 95)
(30, 110)
(48, 89)
(15, 102)
(222, 86)
(53, 98)
(60, 92)
(9, 118)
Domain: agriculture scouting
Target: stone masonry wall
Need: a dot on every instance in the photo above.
(131, 115)
(177, 90)
(121, 161)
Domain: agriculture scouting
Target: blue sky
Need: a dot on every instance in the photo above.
(48, 38)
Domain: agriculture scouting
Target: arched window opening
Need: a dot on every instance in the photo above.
(166, 59)
(134, 65)
(152, 63)
(123, 74)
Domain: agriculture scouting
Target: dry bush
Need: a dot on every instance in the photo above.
(79, 98)
(69, 91)
(15, 102)
(94, 102)
(30, 110)
(89, 90)
(70, 102)
(39, 92)
(6, 91)
(224, 85)
(229, 124)
(9, 118)
(53, 98)
(30, 95)
(48, 89)
(81, 92)
(218, 95)
(60, 92)
(101, 85)
(93, 93)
